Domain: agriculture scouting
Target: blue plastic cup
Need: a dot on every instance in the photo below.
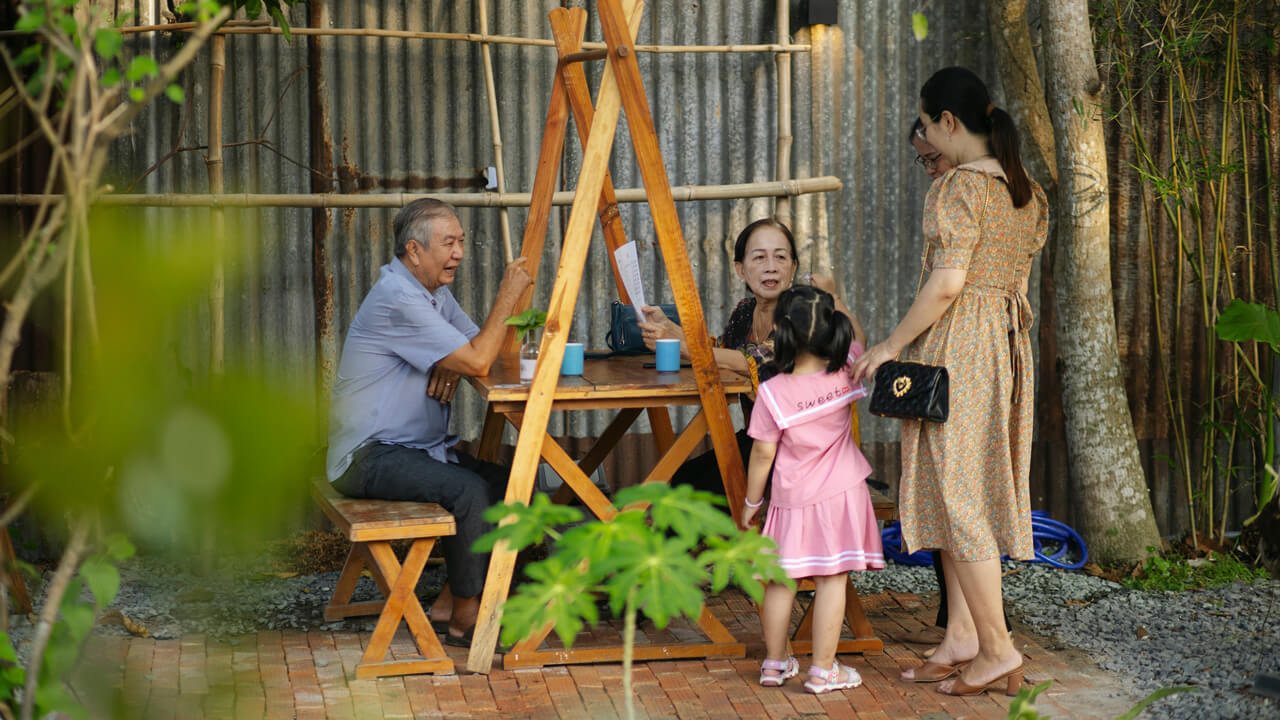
(668, 355)
(572, 363)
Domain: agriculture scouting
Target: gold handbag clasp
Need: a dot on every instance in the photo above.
(901, 385)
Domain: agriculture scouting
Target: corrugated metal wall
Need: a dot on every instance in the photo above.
(400, 110)
(390, 114)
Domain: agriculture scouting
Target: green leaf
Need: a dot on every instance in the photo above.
(29, 55)
(526, 321)
(666, 579)
(67, 23)
(102, 578)
(174, 93)
(273, 7)
(919, 25)
(690, 513)
(136, 94)
(530, 524)
(253, 8)
(1161, 693)
(30, 21)
(556, 593)
(110, 78)
(1243, 322)
(118, 547)
(107, 42)
(747, 560)
(141, 66)
(596, 541)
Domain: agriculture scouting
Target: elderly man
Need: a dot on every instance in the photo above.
(389, 420)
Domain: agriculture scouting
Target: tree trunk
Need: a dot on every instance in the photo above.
(1114, 506)
(1024, 97)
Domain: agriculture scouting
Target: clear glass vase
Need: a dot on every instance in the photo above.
(528, 356)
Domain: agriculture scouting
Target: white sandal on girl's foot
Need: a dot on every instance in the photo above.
(786, 670)
(838, 677)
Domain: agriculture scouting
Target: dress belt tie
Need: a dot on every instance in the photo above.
(1021, 318)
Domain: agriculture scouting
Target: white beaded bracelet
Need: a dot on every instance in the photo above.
(756, 504)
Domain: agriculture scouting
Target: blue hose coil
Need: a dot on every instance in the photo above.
(1054, 542)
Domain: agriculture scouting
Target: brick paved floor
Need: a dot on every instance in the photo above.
(307, 675)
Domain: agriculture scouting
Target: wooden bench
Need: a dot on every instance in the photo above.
(371, 525)
(864, 637)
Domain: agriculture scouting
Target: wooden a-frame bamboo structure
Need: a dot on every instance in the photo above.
(620, 87)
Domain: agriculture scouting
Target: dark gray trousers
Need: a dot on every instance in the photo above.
(466, 489)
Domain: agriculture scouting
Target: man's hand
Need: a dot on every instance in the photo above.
(443, 384)
(516, 278)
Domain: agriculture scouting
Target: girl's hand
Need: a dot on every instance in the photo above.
(864, 368)
(748, 513)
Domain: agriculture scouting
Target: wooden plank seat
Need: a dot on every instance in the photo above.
(371, 525)
(864, 639)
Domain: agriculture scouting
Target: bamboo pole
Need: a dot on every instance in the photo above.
(684, 193)
(260, 29)
(217, 290)
(782, 211)
(494, 127)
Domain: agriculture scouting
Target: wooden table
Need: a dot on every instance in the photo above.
(619, 383)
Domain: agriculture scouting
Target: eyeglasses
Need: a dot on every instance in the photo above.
(928, 162)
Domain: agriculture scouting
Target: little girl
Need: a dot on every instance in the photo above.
(820, 513)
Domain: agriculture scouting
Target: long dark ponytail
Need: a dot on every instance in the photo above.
(963, 94)
(806, 319)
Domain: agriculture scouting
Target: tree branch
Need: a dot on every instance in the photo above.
(118, 120)
(67, 567)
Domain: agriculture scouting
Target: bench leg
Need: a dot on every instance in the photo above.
(340, 605)
(402, 602)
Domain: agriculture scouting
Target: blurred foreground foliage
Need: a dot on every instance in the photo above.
(149, 451)
(152, 449)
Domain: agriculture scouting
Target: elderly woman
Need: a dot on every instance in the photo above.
(764, 257)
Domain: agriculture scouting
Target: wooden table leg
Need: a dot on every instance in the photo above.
(402, 603)
(864, 637)
(491, 436)
(679, 450)
(603, 445)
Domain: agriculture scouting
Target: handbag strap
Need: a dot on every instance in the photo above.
(982, 216)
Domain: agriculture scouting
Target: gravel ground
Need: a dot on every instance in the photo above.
(1215, 640)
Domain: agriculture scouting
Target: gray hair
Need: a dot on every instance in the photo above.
(411, 221)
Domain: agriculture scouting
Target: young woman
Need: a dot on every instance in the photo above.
(964, 487)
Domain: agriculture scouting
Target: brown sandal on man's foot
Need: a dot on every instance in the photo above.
(931, 672)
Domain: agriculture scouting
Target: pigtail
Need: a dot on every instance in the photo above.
(784, 342)
(1003, 139)
(836, 350)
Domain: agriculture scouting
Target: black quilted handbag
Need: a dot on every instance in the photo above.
(912, 391)
(624, 336)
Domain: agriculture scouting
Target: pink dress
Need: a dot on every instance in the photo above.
(820, 512)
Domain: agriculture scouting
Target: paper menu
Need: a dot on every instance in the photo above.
(628, 260)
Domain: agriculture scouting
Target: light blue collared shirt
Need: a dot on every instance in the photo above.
(380, 395)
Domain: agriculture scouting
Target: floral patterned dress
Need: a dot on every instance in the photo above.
(964, 484)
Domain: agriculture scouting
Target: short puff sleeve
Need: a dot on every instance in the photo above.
(952, 216)
(763, 427)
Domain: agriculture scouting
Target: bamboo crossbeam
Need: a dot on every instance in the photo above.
(684, 193)
(254, 29)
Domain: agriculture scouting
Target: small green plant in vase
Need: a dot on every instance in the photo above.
(525, 324)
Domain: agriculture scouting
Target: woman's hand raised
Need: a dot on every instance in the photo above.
(657, 326)
(864, 368)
